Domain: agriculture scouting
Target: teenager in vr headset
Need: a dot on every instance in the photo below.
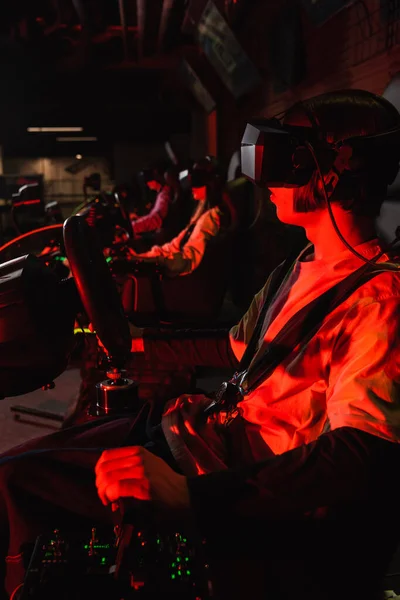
(162, 179)
(291, 473)
(212, 213)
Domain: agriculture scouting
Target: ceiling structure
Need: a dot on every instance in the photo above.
(109, 66)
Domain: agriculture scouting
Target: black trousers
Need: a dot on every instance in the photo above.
(306, 559)
(49, 483)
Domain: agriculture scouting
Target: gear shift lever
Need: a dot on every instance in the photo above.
(117, 394)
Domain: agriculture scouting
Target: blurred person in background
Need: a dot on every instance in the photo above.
(163, 180)
(213, 212)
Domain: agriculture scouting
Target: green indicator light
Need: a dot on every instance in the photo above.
(173, 564)
(184, 540)
(187, 559)
(173, 576)
(158, 541)
(188, 572)
(109, 259)
(86, 546)
(179, 572)
(103, 560)
(178, 559)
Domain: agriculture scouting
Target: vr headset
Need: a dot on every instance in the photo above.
(199, 178)
(203, 172)
(274, 154)
(146, 175)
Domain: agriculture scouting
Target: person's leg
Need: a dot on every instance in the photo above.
(40, 493)
(44, 490)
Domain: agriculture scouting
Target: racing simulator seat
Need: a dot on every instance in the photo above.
(149, 296)
(29, 212)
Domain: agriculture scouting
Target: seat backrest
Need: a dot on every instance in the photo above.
(149, 297)
(200, 294)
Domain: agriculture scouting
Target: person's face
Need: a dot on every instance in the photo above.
(283, 198)
(199, 193)
(154, 185)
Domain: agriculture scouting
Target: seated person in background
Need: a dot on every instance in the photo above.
(213, 216)
(299, 484)
(213, 213)
(163, 180)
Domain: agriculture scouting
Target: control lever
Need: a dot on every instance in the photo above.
(116, 395)
(93, 542)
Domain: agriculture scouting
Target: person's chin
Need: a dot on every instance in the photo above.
(290, 217)
(283, 216)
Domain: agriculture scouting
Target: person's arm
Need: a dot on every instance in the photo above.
(335, 469)
(346, 466)
(154, 219)
(182, 261)
(185, 260)
(157, 254)
(363, 412)
(234, 510)
(351, 462)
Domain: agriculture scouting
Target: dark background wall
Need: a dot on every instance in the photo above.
(355, 48)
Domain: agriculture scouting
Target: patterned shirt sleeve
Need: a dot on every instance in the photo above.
(182, 261)
(154, 219)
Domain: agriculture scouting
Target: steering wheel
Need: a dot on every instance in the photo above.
(125, 215)
(97, 289)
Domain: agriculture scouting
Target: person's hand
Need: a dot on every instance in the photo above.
(134, 472)
(131, 253)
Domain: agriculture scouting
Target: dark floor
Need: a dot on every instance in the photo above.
(59, 400)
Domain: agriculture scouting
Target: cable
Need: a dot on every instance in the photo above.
(79, 207)
(335, 225)
(14, 594)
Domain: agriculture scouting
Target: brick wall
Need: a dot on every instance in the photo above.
(354, 49)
